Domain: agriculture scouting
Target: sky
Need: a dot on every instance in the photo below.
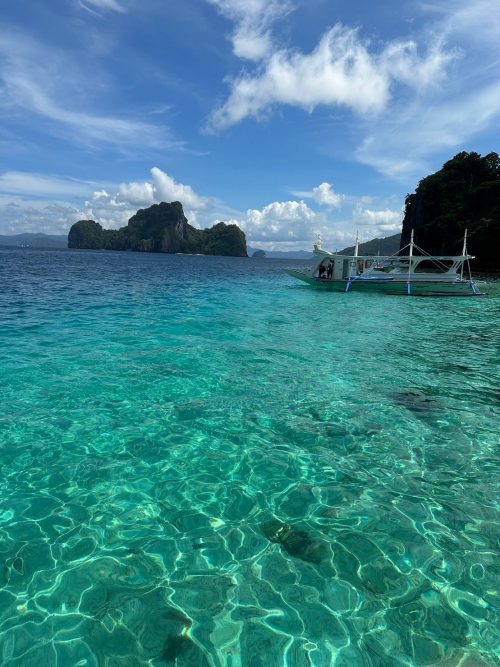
(286, 117)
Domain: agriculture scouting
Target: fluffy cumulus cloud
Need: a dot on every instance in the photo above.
(166, 189)
(324, 195)
(114, 209)
(139, 195)
(253, 19)
(340, 71)
(381, 221)
(288, 224)
(293, 224)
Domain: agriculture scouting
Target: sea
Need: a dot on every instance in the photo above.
(205, 463)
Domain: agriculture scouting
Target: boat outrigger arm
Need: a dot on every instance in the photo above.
(415, 274)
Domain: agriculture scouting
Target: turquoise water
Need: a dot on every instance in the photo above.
(205, 463)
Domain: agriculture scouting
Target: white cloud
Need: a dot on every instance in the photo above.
(26, 215)
(61, 96)
(414, 98)
(279, 225)
(442, 120)
(24, 183)
(475, 22)
(283, 222)
(137, 194)
(167, 189)
(111, 5)
(111, 211)
(383, 221)
(340, 71)
(323, 194)
(402, 62)
(111, 206)
(400, 146)
(253, 18)
(293, 224)
(114, 210)
(88, 128)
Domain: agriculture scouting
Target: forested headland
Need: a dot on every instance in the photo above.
(464, 194)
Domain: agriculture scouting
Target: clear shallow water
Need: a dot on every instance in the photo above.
(205, 463)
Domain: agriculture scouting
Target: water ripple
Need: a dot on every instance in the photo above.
(204, 464)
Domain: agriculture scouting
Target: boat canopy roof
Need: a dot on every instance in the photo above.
(380, 258)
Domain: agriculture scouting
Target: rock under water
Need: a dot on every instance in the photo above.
(296, 543)
(416, 401)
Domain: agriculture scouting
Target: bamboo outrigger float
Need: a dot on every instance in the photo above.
(412, 274)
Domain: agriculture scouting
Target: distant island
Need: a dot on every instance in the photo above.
(464, 194)
(281, 254)
(35, 240)
(378, 246)
(160, 228)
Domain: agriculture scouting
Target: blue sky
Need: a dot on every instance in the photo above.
(285, 116)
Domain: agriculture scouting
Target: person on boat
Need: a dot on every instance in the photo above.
(329, 270)
(321, 271)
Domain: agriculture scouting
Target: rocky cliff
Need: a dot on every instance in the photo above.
(464, 194)
(160, 228)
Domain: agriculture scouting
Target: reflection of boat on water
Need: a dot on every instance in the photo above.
(415, 274)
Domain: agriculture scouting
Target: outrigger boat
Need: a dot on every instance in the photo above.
(413, 274)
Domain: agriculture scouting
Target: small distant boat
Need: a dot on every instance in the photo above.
(414, 274)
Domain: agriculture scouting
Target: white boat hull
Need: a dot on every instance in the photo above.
(391, 286)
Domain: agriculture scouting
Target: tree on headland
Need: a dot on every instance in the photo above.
(464, 194)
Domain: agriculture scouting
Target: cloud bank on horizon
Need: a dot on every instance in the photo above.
(285, 117)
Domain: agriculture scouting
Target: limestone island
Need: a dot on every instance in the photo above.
(160, 228)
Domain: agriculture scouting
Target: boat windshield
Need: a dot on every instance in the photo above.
(419, 265)
(393, 265)
(432, 266)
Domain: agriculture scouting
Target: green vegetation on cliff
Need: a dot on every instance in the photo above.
(385, 246)
(464, 194)
(160, 228)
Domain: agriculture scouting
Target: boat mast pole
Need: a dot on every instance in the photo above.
(466, 259)
(408, 284)
(317, 241)
(353, 262)
(464, 252)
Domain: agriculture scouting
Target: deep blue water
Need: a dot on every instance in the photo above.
(205, 463)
